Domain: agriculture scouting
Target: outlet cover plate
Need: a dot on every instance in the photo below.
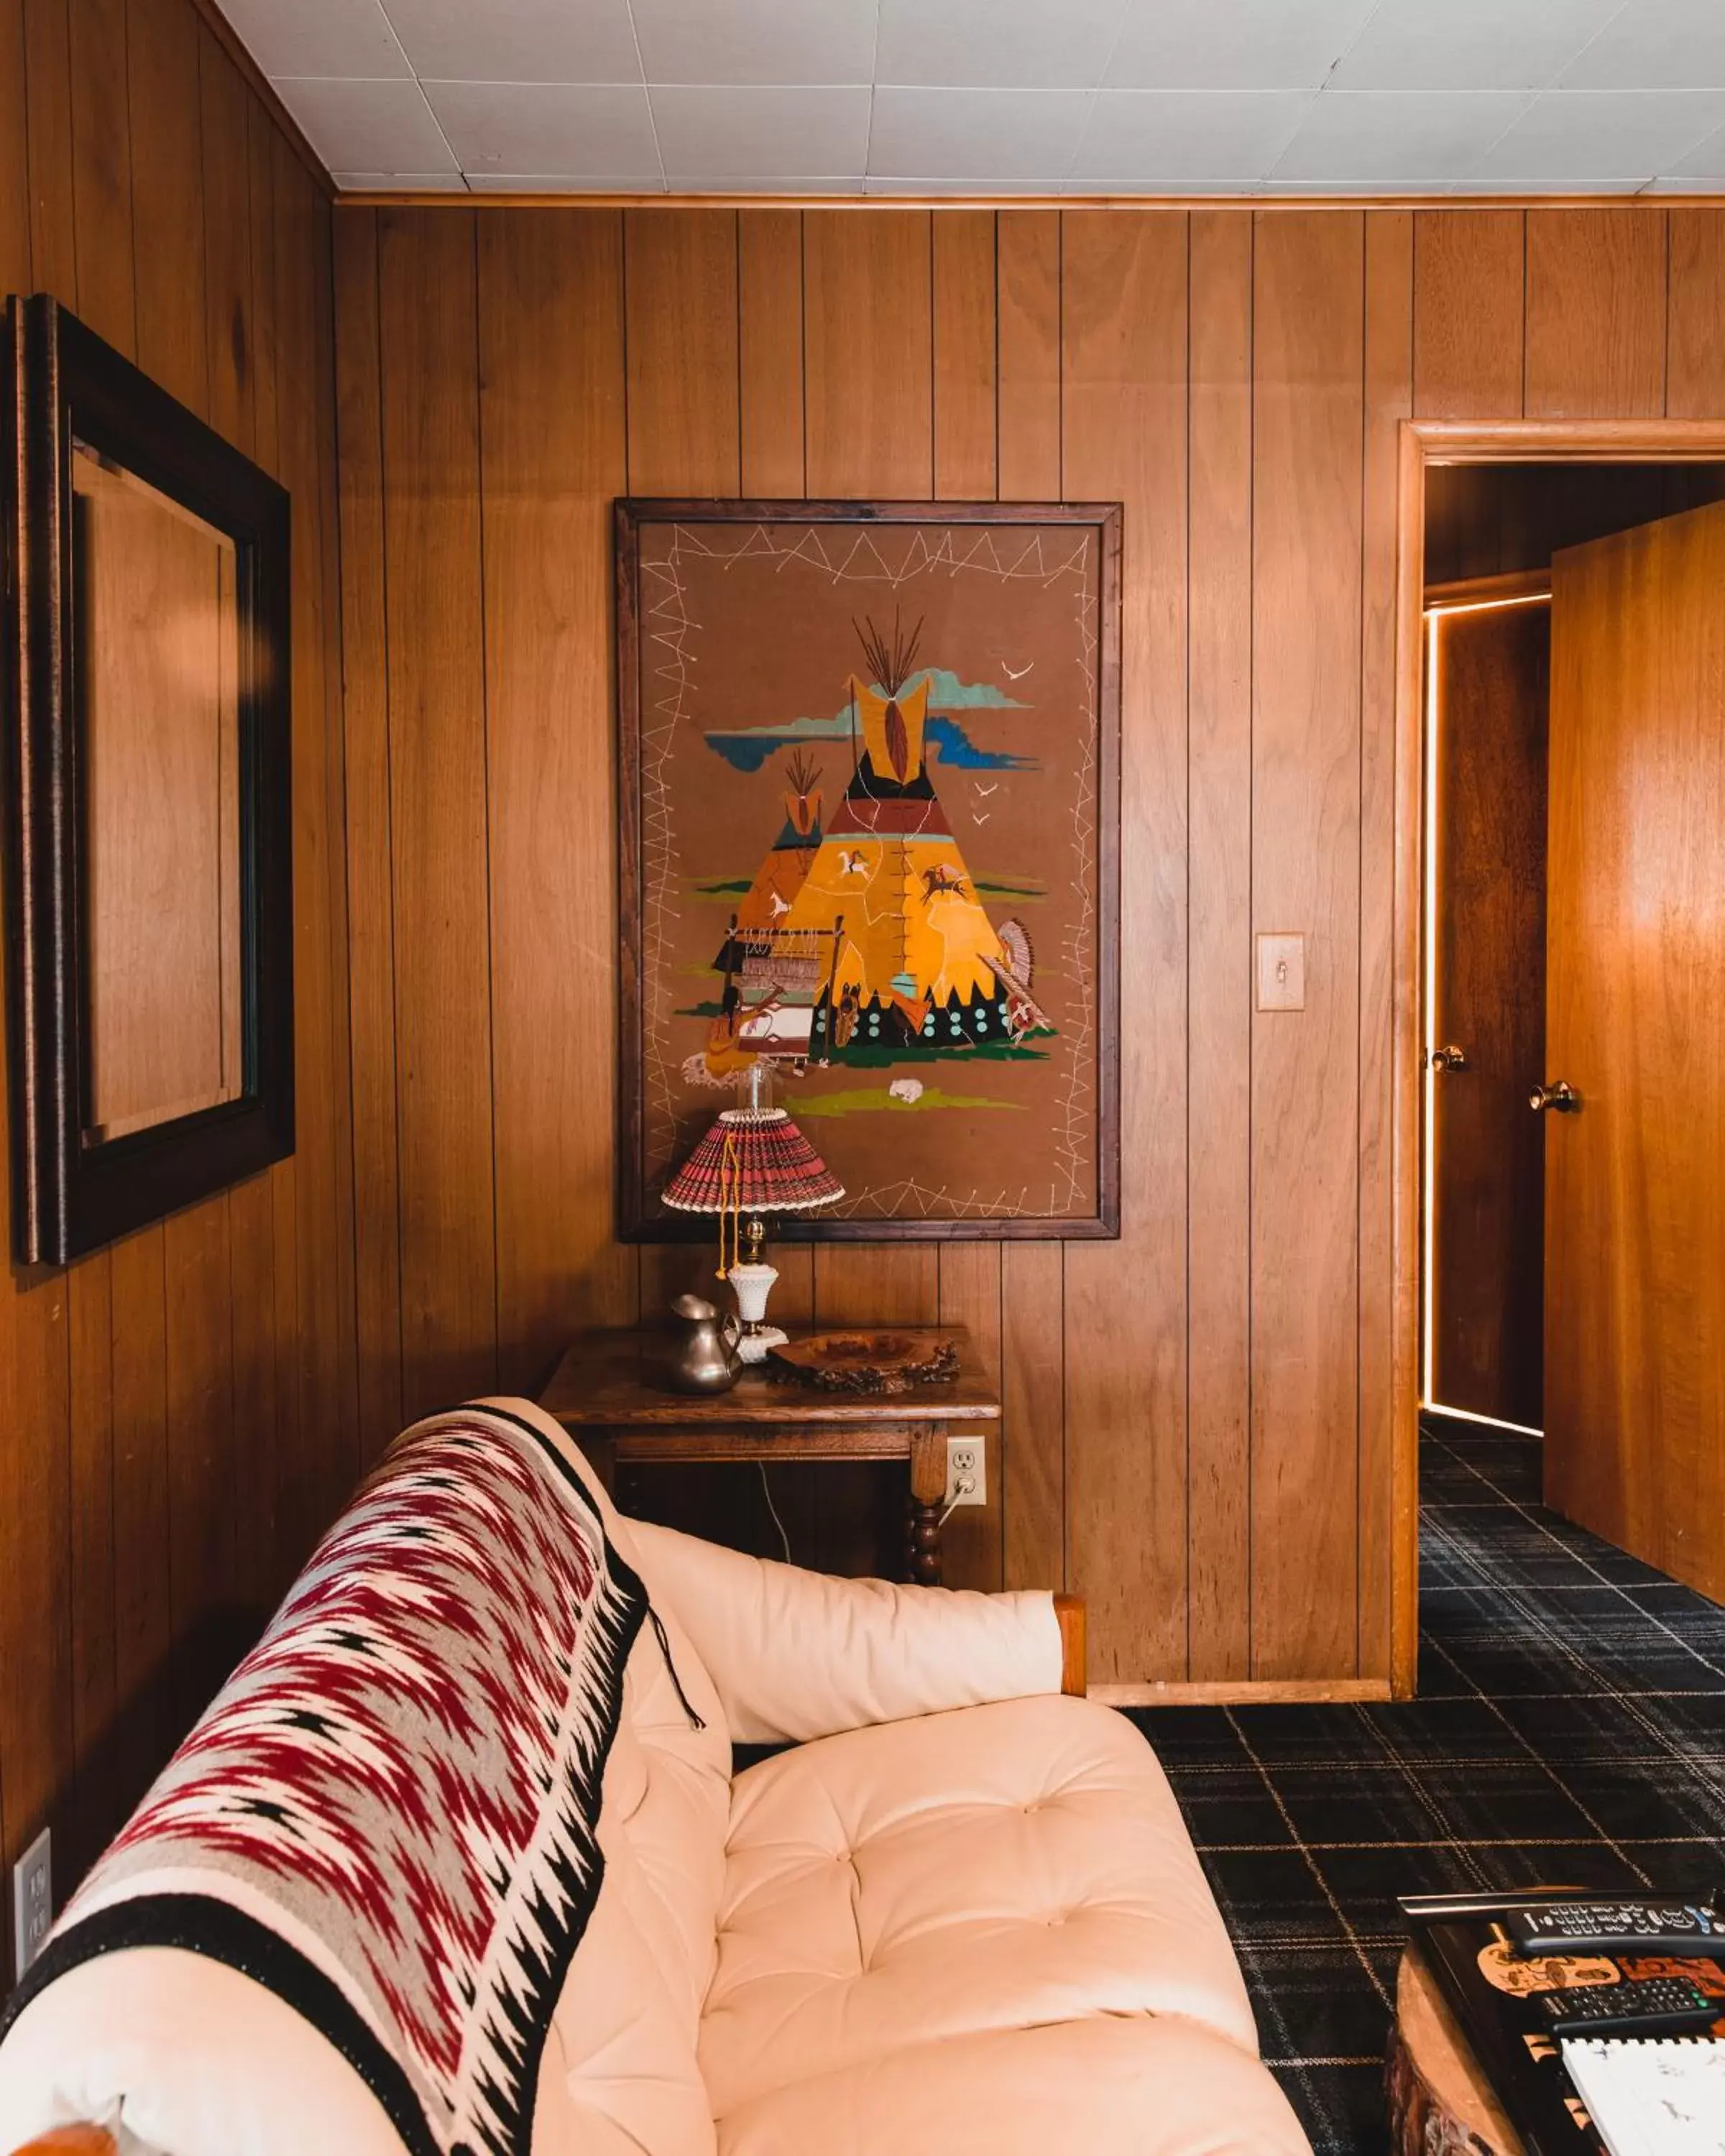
(966, 1462)
(32, 1900)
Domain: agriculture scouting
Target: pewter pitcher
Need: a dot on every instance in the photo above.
(703, 1355)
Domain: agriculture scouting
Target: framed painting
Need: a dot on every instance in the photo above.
(869, 795)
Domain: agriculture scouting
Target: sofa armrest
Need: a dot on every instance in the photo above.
(1075, 1643)
(798, 1655)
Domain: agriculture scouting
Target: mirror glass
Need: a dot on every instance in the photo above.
(156, 682)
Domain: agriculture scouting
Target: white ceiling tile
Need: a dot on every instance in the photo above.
(768, 41)
(1152, 136)
(877, 184)
(1233, 45)
(997, 44)
(1351, 138)
(517, 40)
(726, 133)
(1705, 161)
(1655, 44)
(777, 183)
(318, 37)
(1585, 135)
(960, 133)
(367, 126)
(577, 130)
(418, 184)
(1470, 45)
(560, 184)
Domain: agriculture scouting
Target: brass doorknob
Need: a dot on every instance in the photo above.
(1448, 1059)
(1560, 1097)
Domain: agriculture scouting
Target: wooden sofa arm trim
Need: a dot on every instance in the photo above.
(1069, 1611)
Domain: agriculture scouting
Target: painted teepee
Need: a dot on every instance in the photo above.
(879, 904)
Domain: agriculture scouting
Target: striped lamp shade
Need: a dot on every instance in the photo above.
(753, 1160)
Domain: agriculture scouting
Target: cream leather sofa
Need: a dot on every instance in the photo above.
(964, 1915)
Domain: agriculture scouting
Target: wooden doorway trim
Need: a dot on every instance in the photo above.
(1424, 443)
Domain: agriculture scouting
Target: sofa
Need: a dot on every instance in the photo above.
(960, 1912)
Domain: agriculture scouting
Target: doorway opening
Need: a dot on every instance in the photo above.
(1552, 619)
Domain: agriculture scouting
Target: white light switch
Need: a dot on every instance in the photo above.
(1281, 973)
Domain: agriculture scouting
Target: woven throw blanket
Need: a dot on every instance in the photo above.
(388, 1815)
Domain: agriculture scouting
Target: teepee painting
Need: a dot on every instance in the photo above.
(870, 760)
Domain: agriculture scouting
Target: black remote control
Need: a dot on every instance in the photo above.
(1609, 1927)
(1651, 2006)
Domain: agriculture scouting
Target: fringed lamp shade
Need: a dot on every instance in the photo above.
(753, 1160)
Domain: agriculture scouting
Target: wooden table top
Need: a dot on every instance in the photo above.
(611, 1381)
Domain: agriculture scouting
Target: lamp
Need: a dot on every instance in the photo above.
(753, 1161)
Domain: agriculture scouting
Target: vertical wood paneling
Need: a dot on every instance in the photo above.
(867, 344)
(131, 1382)
(964, 470)
(869, 406)
(769, 328)
(1124, 372)
(1033, 1469)
(1596, 313)
(48, 100)
(684, 429)
(552, 415)
(1695, 336)
(1219, 1044)
(428, 335)
(365, 643)
(1389, 381)
(1308, 361)
(1468, 313)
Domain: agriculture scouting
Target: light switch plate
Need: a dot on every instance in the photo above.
(1281, 973)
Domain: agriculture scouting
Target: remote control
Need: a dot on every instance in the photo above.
(1653, 2006)
(1609, 1927)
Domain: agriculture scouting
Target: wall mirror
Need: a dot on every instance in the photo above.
(149, 901)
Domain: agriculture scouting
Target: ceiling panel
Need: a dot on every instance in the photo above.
(955, 134)
(579, 130)
(951, 97)
(1471, 44)
(732, 133)
(516, 40)
(1604, 135)
(768, 41)
(1414, 139)
(998, 44)
(370, 126)
(1145, 137)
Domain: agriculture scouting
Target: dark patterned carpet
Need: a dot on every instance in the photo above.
(1570, 1727)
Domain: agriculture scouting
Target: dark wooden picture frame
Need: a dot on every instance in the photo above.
(639, 1217)
(70, 1196)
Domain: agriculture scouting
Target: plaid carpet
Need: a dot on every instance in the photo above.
(1570, 1727)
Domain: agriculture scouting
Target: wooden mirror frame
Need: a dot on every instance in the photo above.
(68, 1197)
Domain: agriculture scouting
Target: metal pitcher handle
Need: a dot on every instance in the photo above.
(731, 1326)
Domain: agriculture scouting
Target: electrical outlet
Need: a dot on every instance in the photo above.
(967, 1481)
(32, 1900)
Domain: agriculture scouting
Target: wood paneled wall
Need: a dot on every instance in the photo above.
(1198, 1435)
(178, 1413)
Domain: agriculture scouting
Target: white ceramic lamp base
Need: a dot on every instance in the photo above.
(752, 1284)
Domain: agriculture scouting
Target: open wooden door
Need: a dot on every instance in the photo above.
(1488, 693)
(1635, 1309)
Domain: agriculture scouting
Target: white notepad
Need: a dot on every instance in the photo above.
(1654, 2095)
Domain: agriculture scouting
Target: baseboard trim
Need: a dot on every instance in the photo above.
(1245, 1691)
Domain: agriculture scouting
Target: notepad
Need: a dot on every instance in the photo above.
(1654, 2097)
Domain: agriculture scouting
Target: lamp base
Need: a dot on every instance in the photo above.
(751, 1284)
(757, 1340)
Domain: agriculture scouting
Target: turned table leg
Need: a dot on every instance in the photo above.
(928, 1494)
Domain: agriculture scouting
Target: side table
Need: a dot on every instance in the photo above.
(1440, 2101)
(608, 1394)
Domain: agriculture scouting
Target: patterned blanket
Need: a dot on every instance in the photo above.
(388, 1814)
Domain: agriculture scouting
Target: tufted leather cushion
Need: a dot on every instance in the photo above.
(955, 1877)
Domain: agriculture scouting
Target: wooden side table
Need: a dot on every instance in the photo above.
(607, 1393)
